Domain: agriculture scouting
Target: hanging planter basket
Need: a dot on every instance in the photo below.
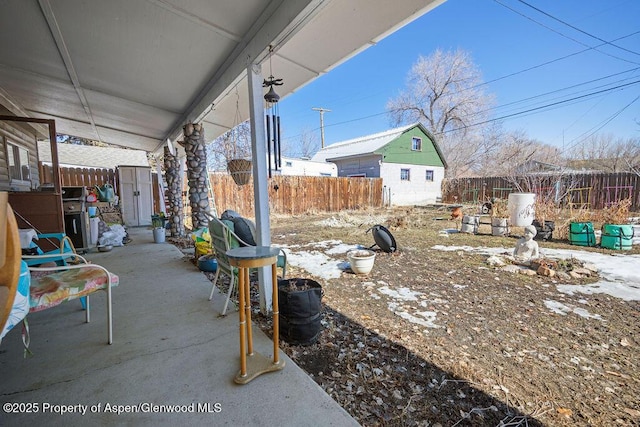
(240, 170)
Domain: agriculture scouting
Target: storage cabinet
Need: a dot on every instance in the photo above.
(136, 195)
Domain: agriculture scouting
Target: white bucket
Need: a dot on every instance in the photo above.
(158, 235)
(499, 227)
(521, 208)
(469, 224)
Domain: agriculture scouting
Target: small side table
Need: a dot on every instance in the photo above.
(245, 258)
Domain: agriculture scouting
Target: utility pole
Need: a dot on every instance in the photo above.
(322, 111)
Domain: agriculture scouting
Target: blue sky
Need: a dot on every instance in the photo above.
(501, 42)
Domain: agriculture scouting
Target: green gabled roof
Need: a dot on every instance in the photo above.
(383, 143)
(399, 149)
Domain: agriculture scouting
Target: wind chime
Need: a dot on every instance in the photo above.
(273, 119)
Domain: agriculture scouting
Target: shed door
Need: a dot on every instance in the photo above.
(136, 191)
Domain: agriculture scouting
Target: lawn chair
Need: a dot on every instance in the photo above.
(62, 244)
(62, 255)
(51, 286)
(223, 238)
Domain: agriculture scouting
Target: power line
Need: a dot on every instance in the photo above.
(503, 117)
(562, 34)
(552, 61)
(507, 116)
(576, 28)
(570, 87)
(606, 122)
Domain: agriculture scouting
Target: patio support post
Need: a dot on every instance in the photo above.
(260, 192)
(174, 192)
(197, 174)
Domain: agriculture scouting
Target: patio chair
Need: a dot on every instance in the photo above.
(223, 238)
(62, 244)
(51, 286)
(63, 247)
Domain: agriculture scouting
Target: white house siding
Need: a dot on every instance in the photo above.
(302, 167)
(417, 190)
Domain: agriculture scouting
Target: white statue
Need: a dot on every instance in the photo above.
(526, 248)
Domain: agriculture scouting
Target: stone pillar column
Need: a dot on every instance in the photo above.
(174, 193)
(197, 174)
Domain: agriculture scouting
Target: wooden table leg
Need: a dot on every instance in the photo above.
(247, 309)
(276, 315)
(243, 324)
(253, 363)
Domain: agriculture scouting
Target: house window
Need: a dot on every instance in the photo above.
(288, 164)
(18, 159)
(416, 144)
(405, 174)
(429, 176)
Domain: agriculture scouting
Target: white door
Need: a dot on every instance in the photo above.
(145, 195)
(127, 195)
(136, 192)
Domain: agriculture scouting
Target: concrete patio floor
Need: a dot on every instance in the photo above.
(169, 348)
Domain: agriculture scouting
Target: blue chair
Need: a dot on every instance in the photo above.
(64, 247)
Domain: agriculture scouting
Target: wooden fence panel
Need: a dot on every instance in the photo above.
(299, 194)
(594, 191)
(78, 177)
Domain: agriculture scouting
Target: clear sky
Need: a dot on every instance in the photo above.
(505, 38)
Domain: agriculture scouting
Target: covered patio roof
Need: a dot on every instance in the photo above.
(132, 73)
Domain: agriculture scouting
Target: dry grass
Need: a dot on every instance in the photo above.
(497, 352)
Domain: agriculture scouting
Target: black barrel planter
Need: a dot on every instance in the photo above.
(300, 302)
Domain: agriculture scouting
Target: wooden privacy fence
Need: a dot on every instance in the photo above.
(78, 177)
(299, 194)
(593, 191)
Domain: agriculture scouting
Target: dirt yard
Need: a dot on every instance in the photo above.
(441, 338)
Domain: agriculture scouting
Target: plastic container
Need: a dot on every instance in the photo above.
(521, 208)
(581, 234)
(499, 227)
(470, 224)
(207, 263)
(158, 235)
(93, 211)
(619, 237)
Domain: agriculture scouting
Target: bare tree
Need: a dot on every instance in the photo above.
(607, 153)
(444, 92)
(519, 155)
(308, 144)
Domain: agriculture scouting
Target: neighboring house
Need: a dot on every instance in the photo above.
(305, 167)
(407, 159)
(537, 167)
(89, 156)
